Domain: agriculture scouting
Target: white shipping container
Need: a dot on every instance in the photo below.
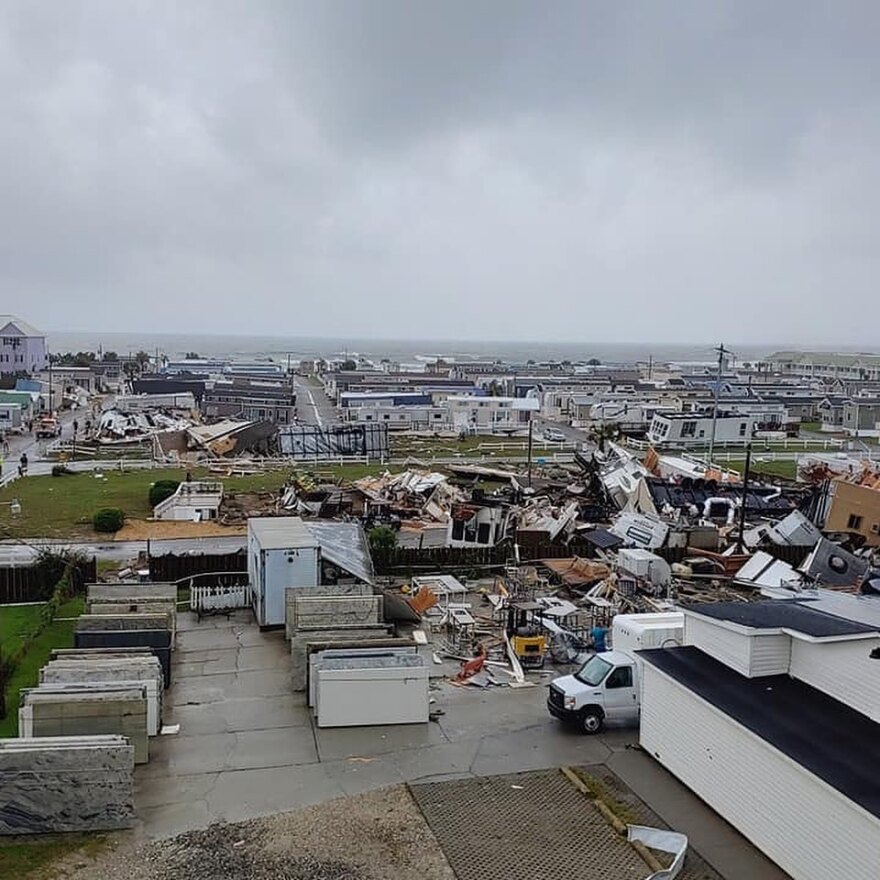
(637, 632)
(282, 553)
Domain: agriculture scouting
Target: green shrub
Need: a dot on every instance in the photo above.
(162, 489)
(108, 519)
(382, 538)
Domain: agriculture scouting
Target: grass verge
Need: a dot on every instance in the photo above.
(17, 622)
(28, 858)
(784, 469)
(58, 634)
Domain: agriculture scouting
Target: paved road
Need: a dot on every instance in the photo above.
(572, 435)
(35, 449)
(313, 407)
(121, 551)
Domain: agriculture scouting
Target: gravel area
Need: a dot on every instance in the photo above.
(375, 836)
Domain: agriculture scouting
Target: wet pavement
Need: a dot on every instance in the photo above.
(247, 746)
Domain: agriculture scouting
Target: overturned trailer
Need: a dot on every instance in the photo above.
(317, 442)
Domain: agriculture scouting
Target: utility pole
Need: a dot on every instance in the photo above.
(740, 545)
(530, 450)
(721, 352)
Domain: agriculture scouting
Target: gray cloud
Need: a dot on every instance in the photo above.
(577, 171)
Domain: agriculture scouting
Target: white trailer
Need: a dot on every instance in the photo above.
(282, 553)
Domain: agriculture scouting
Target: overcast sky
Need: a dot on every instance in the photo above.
(683, 171)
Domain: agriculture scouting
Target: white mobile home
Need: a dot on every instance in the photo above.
(770, 714)
(10, 416)
(695, 429)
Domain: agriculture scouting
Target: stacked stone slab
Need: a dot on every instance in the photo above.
(52, 711)
(135, 598)
(98, 669)
(292, 594)
(333, 616)
(114, 631)
(66, 784)
(139, 592)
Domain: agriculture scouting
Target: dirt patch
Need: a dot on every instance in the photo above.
(375, 836)
(142, 530)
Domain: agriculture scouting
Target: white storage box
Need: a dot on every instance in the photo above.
(390, 689)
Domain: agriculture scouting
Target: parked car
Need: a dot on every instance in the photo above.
(554, 435)
(48, 427)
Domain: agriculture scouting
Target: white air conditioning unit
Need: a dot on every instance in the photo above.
(876, 528)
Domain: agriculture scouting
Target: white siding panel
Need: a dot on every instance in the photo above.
(842, 669)
(770, 655)
(801, 823)
(728, 647)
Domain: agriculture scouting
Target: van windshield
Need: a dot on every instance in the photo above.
(593, 671)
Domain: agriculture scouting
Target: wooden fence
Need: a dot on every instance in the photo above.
(170, 567)
(34, 583)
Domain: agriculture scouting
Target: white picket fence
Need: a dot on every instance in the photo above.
(219, 599)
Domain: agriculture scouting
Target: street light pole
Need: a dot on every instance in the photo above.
(721, 352)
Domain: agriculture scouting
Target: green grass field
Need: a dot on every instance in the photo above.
(16, 623)
(786, 469)
(62, 507)
(58, 634)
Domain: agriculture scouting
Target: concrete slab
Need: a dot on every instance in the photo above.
(343, 742)
(277, 747)
(357, 775)
(242, 794)
(248, 747)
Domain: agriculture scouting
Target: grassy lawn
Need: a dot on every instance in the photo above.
(58, 634)
(786, 469)
(27, 859)
(446, 447)
(16, 623)
(62, 507)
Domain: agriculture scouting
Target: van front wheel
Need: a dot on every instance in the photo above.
(591, 721)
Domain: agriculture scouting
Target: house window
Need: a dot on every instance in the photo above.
(688, 429)
(742, 429)
(854, 522)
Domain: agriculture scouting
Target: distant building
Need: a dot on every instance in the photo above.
(695, 429)
(265, 401)
(22, 347)
(861, 416)
(855, 506)
(823, 364)
(490, 414)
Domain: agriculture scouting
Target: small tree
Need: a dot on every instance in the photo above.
(382, 538)
(162, 489)
(594, 362)
(108, 519)
(349, 365)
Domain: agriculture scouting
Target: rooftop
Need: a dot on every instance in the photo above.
(281, 532)
(838, 744)
(23, 327)
(797, 616)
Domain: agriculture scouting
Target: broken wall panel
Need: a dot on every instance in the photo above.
(316, 442)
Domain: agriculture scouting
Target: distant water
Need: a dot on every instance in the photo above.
(405, 350)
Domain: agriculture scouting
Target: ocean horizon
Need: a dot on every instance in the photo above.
(176, 345)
